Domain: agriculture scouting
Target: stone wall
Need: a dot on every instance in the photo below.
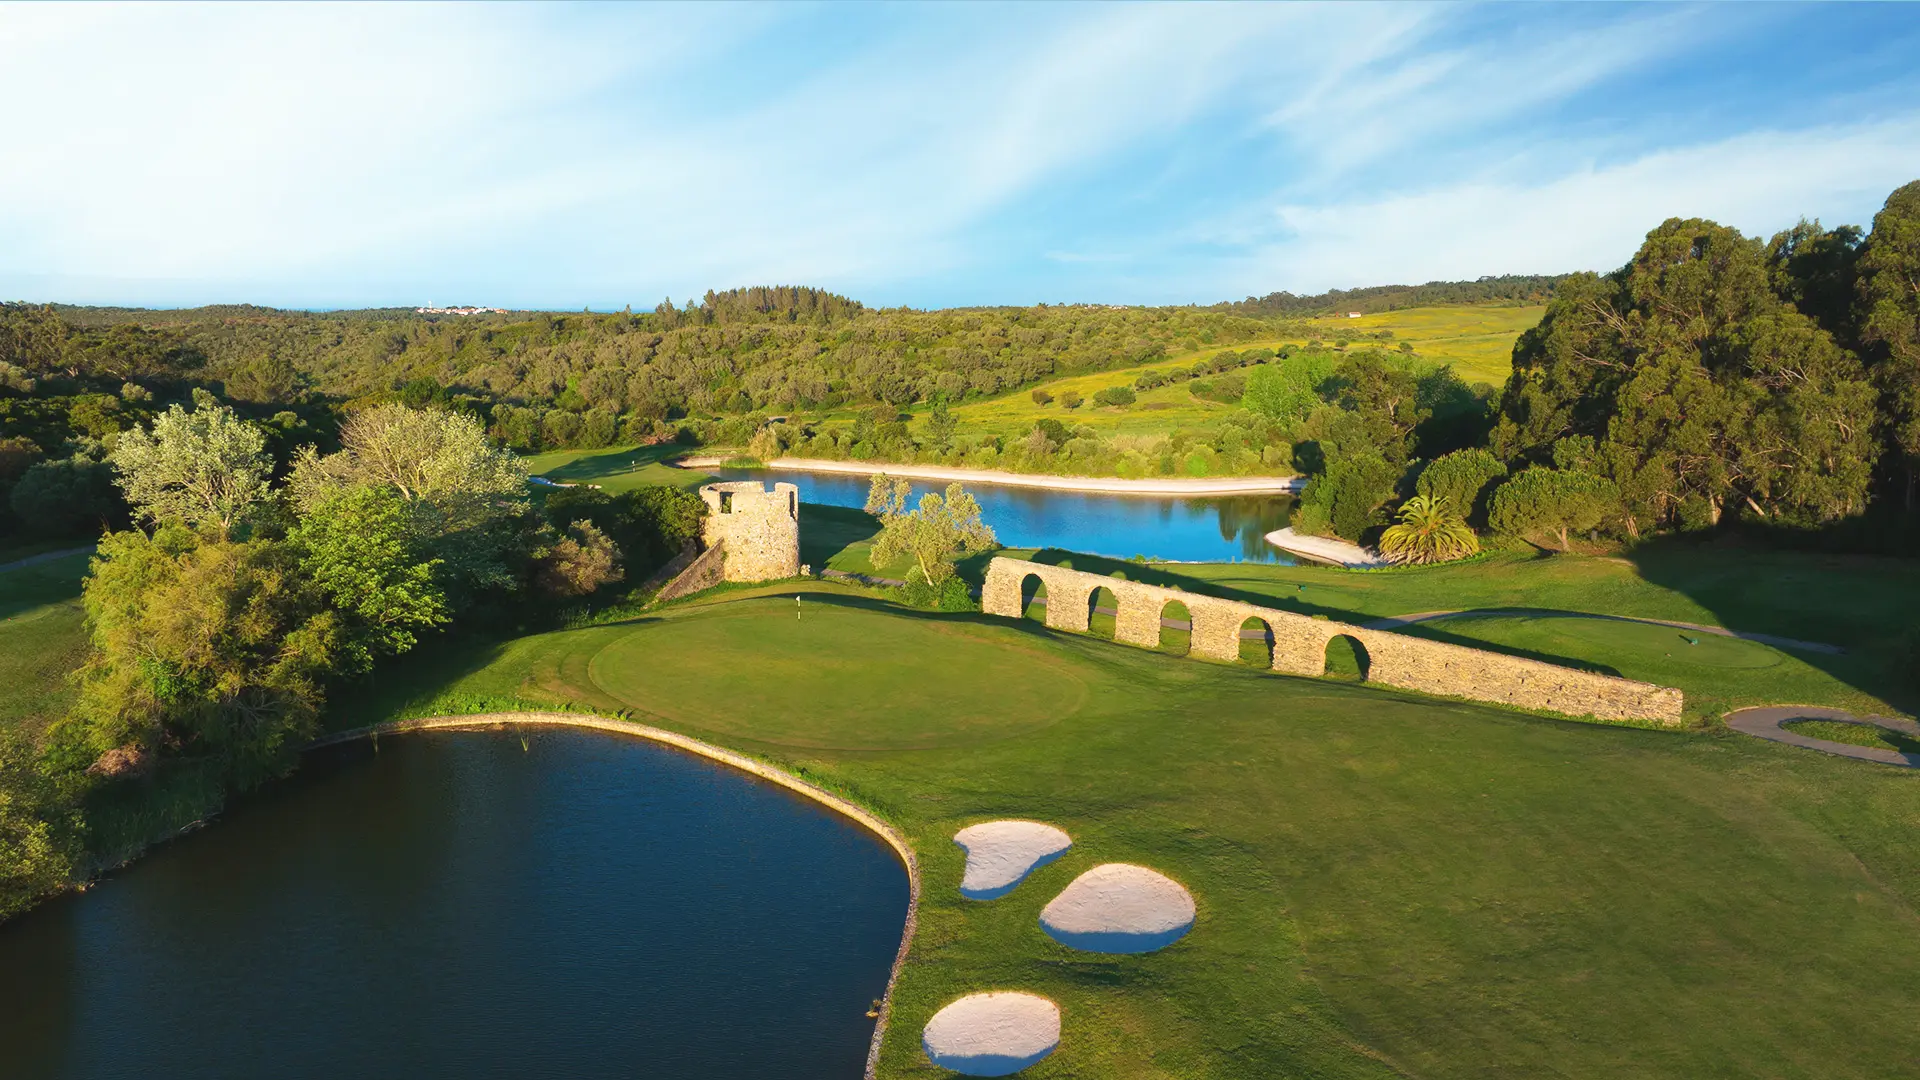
(704, 571)
(1300, 646)
(759, 529)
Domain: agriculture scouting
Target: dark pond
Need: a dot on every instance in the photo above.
(1177, 528)
(456, 906)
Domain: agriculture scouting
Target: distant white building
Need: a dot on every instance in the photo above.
(460, 311)
(1353, 314)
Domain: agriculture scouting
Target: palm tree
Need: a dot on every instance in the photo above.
(1428, 532)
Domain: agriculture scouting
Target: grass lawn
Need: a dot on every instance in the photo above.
(1726, 669)
(1477, 341)
(1387, 885)
(1861, 603)
(617, 469)
(43, 636)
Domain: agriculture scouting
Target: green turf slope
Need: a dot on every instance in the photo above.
(1387, 885)
(43, 637)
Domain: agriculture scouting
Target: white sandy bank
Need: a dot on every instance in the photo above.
(1160, 485)
(1325, 549)
(992, 1034)
(1000, 854)
(1119, 908)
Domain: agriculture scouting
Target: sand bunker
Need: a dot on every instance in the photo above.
(1119, 908)
(1000, 854)
(992, 1034)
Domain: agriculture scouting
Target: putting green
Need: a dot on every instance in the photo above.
(738, 665)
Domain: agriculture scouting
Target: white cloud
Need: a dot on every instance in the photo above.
(1591, 218)
(532, 155)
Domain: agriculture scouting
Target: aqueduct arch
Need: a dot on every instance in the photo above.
(1300, 646)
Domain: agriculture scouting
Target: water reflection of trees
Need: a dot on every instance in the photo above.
(1246, 520)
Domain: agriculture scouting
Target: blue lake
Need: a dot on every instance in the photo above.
(1176, 528)
(457, 906)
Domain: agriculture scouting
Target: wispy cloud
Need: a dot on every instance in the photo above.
(1592, 217)
(927, 154)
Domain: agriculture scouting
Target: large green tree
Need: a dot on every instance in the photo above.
(1890, 297)
(358, 549)
(1461, 480)
(211, 648)
(461, 493)
(1701, 386)
(206, 467)
(37, 828)
(935, 534)
(1540, 502)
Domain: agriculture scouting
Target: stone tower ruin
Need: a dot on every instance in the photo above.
(758, 531)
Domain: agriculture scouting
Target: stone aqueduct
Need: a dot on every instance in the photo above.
(1300, 643)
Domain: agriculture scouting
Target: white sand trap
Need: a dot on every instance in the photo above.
(992, 1034)
(1119, 908)
(1000, 854)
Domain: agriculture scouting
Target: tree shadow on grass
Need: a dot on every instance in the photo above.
(420, 676)
(1156, 575)
(1434, 633)
(593, 466)
(1863, 603)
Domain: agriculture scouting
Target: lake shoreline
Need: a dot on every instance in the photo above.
(1109, 485)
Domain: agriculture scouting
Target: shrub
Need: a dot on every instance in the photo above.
(35, 830)
(1070, 399)
(1114, 395)
(1428, 532)
(1042, 398)
(579, 563)
(1460, 480)
(1542, 501)
(66, 496)
(1346, 498)
(1289, 389)
(950, 595)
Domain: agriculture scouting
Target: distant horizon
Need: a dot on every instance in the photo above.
(681, 302)
(548, 158)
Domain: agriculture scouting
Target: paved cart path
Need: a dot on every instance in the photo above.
(1764, 722)
(45, 556)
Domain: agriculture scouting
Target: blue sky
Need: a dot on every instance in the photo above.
(559, 157)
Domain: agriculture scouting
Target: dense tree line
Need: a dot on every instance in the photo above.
(222, 618)
(1718, 373)
(1715, 378)
(1505, 288)
(587, 379)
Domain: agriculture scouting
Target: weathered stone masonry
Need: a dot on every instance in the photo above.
(1300, 646)
(759, 530)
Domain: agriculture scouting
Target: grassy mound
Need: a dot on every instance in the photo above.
(1386, 885)
(829, 677)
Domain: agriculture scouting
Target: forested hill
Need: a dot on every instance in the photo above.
(772, 349)
(1506, 288)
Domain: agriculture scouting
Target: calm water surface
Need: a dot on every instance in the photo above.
(1178, 528)
(455, 906)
